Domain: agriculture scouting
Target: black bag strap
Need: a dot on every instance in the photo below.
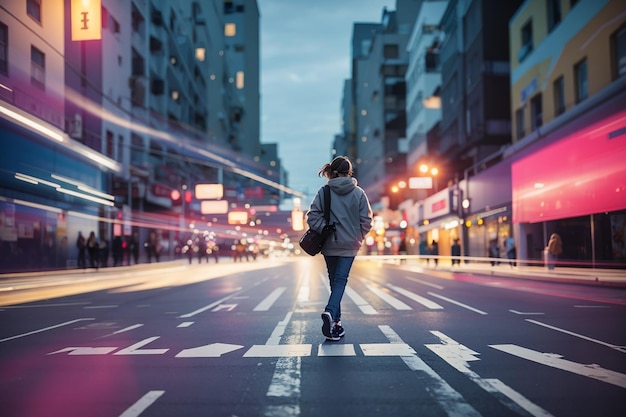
(327, 204)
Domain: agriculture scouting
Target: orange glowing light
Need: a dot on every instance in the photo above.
(86, 20)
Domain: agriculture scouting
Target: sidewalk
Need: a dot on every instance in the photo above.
(585, 276)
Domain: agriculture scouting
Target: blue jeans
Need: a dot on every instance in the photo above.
(338, 271)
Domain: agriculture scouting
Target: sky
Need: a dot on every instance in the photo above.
(305, 58)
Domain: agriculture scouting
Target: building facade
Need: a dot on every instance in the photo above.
(161, 100)
(568, 93)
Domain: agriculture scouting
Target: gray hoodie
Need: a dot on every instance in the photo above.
(350, 211)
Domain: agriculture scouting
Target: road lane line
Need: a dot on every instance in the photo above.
(457, 303)
(555, 360)
(143, 403)
(269, 301)
(284, 388)
(521, 313)
(126, 329)
(449, 399)
(210, 306)
(458, 356)
(418, 298)
(185, 324)
(305, 289)
(518, 398)
(43, 330)
(391, 300)
(612, 346)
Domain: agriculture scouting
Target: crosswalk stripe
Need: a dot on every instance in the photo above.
(423, 301)
(393, 301)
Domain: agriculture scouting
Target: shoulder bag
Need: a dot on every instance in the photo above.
(311, 242)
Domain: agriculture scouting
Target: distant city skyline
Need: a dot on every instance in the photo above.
(305, 58)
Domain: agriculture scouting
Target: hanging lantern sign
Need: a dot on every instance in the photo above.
(86, 20)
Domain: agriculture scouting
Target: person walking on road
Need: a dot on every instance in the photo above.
(351, 213)
(553, 250)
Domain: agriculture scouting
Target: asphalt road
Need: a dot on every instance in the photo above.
(244, 340)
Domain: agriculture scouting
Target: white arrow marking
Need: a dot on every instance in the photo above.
(85, 350)
(134, 349)
(458, 356)
(227, 307)
(555, 361)
(449, 399)
(210, 306)
(214, 350)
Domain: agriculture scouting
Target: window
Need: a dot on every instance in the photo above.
(536, 112)
(33, 9)
(230, 29)
(4, 49)
(239, 83)
(527, 41)
(519, 123)
(109, 145)
(618, 49)
(37, 67)
(559, 96)
(391, 51)
(582, 83)
(554, 14)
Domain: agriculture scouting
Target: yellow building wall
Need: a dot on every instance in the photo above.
(593, 42)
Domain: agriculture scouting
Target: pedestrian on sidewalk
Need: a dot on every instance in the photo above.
(553, 250)
(456, 252)
(351, 213)
(434, 250)
(92, 250)
(511, 252)
(81, 245)
(494, 251)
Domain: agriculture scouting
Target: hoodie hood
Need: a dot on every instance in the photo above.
(342, 185)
